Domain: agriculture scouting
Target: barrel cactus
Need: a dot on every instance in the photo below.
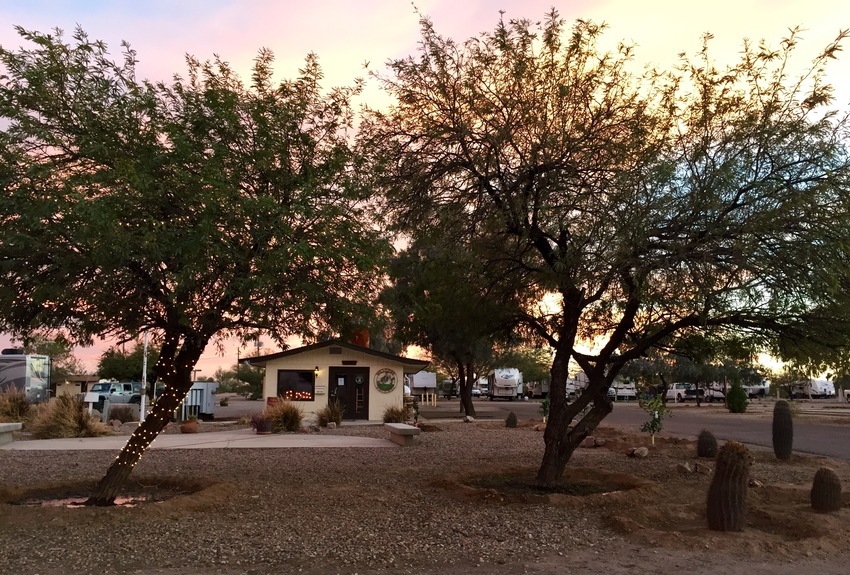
(826, 491)
(783, 430)
(706, 444)
(511, 420)
(726, 508)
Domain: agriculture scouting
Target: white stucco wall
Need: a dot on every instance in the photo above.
(308, 360)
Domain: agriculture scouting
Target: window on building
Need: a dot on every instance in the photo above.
(296, 385)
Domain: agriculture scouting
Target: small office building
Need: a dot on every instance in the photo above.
(364, 380)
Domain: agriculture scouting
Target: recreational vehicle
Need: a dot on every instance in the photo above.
(422, 382)
(814, 388)
(28, 374)
(504, 383)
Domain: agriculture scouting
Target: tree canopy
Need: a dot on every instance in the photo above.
(120, 365)
(437, 298)
(646, 205)
(195, 209)
(63, 363)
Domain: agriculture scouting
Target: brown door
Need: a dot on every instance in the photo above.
(350, 385)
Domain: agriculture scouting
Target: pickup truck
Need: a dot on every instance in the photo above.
(679, 392)
(704, 394)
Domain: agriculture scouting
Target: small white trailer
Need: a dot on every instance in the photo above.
(422, 382)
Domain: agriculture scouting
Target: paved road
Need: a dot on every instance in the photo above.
(820, 429)
(811, 434)
(237, 407)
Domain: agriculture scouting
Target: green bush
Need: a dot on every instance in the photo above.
(123, 413)
(396, 414)
(285, 416)
(736, 399)
(544, 408)
(65, 416)
(332, 412)
(14, 405)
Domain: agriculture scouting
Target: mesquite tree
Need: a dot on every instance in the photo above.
(436, 300)
(195, 209)
(635, 207)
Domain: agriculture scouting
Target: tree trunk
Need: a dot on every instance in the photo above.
(177, 367)
(556, 426)
(466, 381)
(136, 446)
(561, 441)
(560, 449)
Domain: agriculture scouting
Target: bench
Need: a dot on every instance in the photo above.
(6, 430)
(402, 433)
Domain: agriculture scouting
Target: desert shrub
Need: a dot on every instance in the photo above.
(511, 420)
(332, 412)
(706, 444)
(14, 405)
(396, 414)
(123, 413)
(736, 399)
(285, 415)
(257, 421)
(65, 416)
(544, 408)
(656, 409)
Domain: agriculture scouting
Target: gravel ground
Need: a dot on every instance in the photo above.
(348, 511)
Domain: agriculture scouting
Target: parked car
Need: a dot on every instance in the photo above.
(476, 392)
(758, 390)
(705, 394)
(116, 393)
(678, 392)
(624, 392)
(120, 392)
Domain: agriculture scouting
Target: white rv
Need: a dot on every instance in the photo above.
(422, 382)
(28, 374)
(814, 388)
(504, 383)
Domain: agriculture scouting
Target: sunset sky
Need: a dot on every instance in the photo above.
(346, 34)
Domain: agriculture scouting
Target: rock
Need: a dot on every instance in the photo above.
(755, 483)
(600, 442)
(468, 419)
(639, 452)
(588, 441)
(540, 427)
(702, 468)
(116, 423)
(684, 469)
(332, 425)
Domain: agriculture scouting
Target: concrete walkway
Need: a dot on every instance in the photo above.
(234, 439)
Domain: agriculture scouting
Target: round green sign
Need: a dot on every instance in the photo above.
(385, 380)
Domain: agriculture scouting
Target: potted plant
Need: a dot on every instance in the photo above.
(261, 423)
(189, 425)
